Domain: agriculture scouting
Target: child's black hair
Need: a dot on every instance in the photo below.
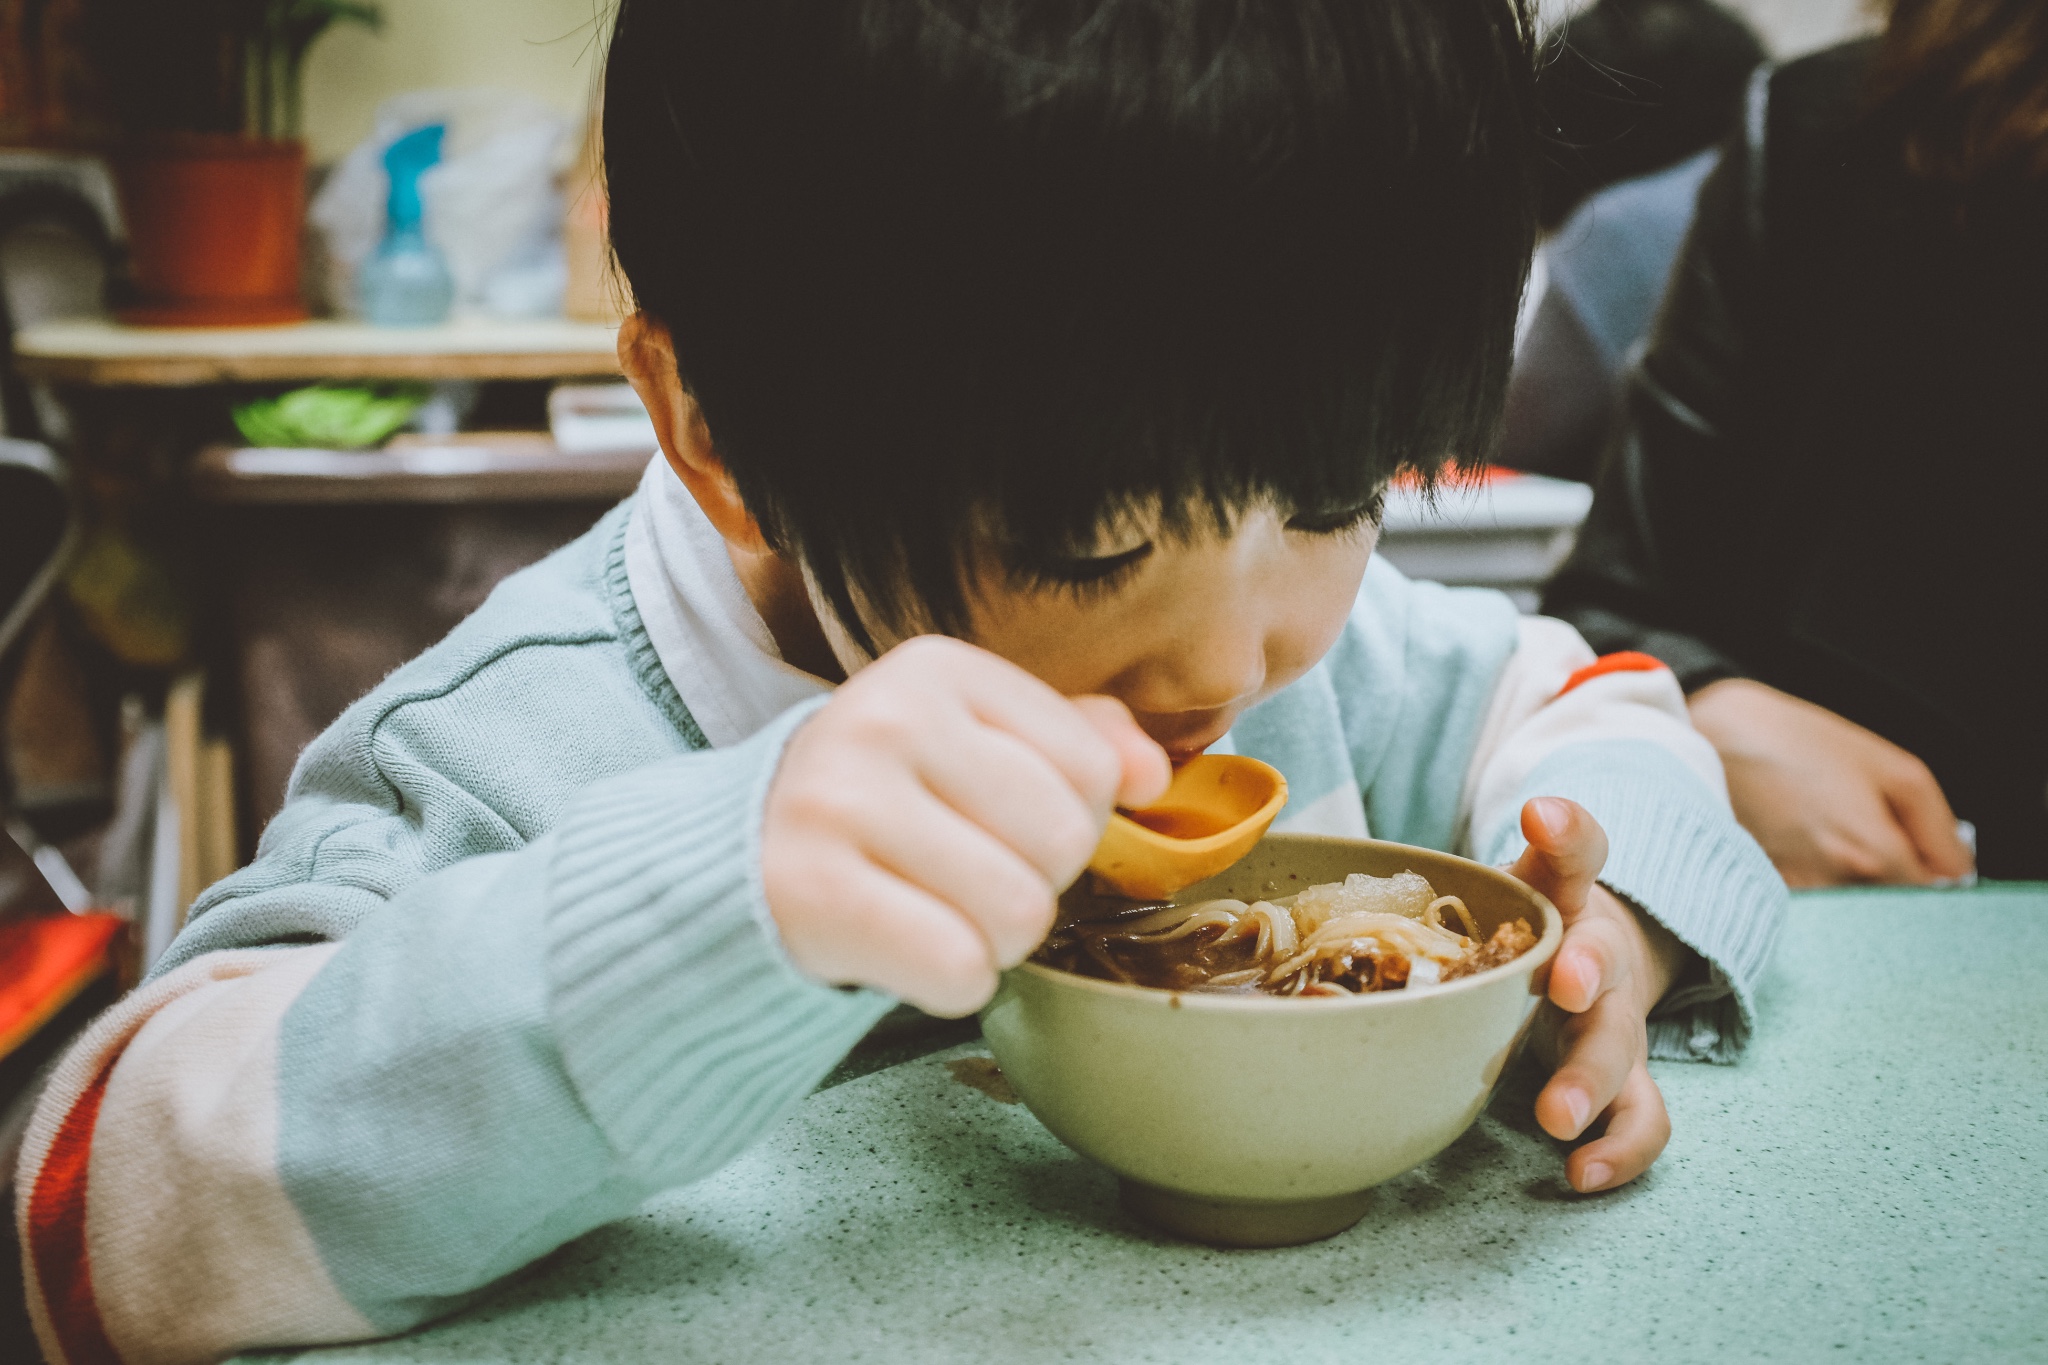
(948, 276)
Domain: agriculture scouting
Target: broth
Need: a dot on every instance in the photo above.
(1176, 822)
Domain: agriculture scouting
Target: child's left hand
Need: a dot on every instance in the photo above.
(1612, 968)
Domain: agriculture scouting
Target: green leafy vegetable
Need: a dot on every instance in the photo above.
(333, 418)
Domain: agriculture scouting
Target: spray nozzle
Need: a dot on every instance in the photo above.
(405, 161)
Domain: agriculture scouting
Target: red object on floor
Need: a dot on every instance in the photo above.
(45, 961)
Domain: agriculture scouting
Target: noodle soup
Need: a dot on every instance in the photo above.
(1241, 1116)
(1339, 939)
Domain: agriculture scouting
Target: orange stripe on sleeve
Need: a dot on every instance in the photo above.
(1627, 661)
(56, 1235)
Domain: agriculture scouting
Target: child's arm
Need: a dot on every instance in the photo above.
(287, 1145)
(1612, 734)
(1460, 712)
(295, 1144)
(1457, 715)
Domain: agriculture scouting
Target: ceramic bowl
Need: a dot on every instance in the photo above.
(1262, 1121)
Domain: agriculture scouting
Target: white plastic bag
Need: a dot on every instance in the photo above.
(493, 206)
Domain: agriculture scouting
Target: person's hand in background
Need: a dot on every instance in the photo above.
(1831, 802)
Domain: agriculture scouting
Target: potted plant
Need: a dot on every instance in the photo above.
(207, 97)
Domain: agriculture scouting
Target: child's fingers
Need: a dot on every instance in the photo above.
(1600, 1048)
(1567, 849)
(1002, 695)
(1145, 768)
(1922, 810)
(1009, 789)
(1638, 1127)
(1878, 851)
(1594, 959)
(898, 939)
(933, 847)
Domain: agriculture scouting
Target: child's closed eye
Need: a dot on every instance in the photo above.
(1083, 576)
(1338, 520)
(1091, 576)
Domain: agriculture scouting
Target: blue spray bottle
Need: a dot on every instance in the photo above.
(406, 283)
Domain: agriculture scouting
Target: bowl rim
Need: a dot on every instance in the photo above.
(1547, 944)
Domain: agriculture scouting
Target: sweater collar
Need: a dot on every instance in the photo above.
(713, 645)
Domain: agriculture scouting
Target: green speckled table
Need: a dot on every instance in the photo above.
(1868, 1185)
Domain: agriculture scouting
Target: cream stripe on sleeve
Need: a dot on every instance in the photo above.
(192, 1247)
(196, 1249)
(1527, 720)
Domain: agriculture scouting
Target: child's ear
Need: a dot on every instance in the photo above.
(648, 356)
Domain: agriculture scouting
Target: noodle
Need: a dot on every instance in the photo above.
(1212, 917)
(1274, 925)
(1172, 915)
(1436, 918)
(1337, 939)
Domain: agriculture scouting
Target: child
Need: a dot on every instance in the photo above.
(1084, 335)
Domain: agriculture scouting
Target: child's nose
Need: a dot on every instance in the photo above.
(1204, 675)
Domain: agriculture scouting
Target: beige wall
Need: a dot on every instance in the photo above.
(548, 48)
(1788, 27)
(1791, 27)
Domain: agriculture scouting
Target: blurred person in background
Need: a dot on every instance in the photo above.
(1637, 95)
(1826, 503)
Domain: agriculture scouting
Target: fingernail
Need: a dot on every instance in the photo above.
(1580, 1108)
(1594, 1177)
(1555, 815)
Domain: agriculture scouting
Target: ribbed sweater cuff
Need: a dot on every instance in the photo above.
(681, 1020)
(1675, 851)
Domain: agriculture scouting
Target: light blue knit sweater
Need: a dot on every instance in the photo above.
(559, 990)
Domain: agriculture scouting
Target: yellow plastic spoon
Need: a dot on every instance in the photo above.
(1218, 806)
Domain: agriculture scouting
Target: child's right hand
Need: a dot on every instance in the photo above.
(923, 823)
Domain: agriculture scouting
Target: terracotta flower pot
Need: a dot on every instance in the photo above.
(214, 222)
